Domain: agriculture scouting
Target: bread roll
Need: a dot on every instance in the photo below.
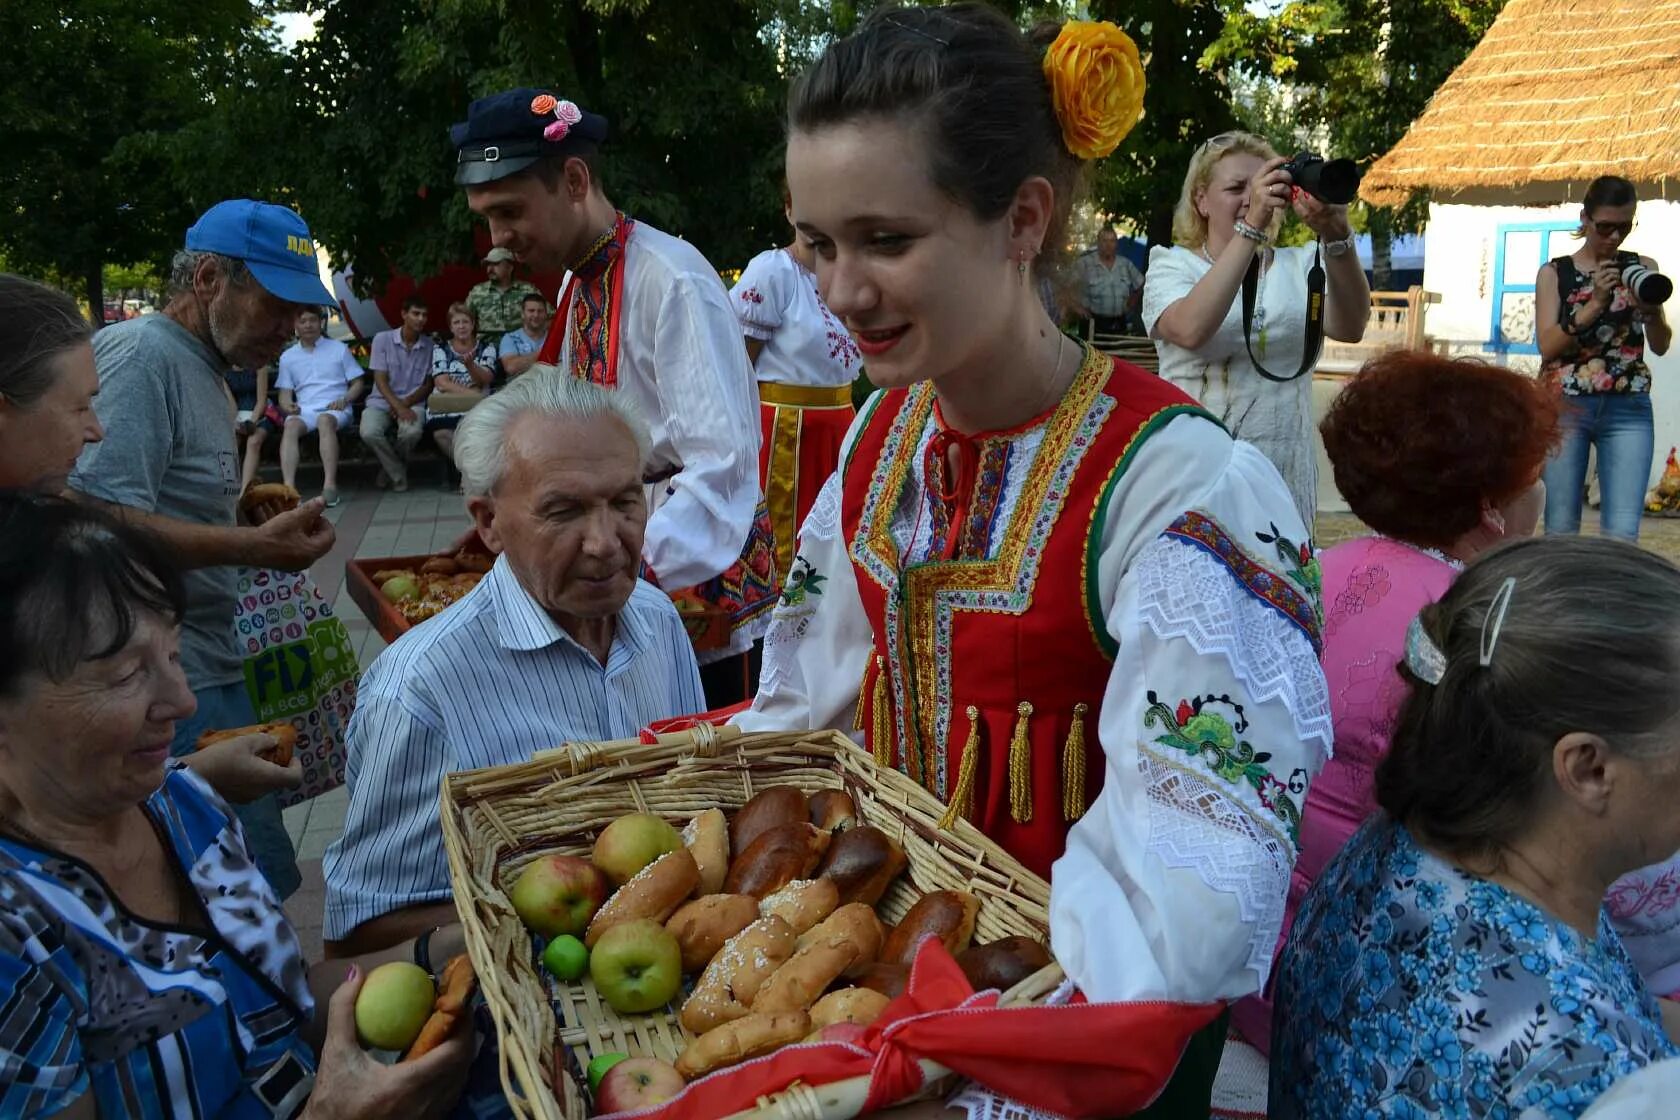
(654, 893)
(833, 810)
(778, 857)
(707, 838)
(1002, 964)
(736, 1042)
(703, 926)
(260, 494)
(947, 915)
(849, 939)
(777, 805)
(440, 566)
(454, 992)
(861, 1006)
(471, 560)
(863, 862)
(803, 903)
(726, 989)
(888, 979)
(281, 731)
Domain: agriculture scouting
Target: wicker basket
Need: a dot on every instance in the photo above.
(497, 820)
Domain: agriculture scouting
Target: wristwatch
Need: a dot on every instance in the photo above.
(1338, 248)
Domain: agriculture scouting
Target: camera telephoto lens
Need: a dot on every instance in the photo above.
(1647, 286)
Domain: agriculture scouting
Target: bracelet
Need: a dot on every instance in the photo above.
(423, 949)
(1243, 229)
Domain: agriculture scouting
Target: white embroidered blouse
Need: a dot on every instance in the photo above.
(1215, 717)
(804, 344)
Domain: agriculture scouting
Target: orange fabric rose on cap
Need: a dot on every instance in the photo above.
(1096, 86)
(543, 104)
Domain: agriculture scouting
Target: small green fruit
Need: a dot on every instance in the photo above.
(566, 957)
(399, 589)
(599, 1067)
(394, 1003)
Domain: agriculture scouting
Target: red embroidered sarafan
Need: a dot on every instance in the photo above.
(991, 655)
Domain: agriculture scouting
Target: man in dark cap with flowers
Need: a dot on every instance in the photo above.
(644, 313)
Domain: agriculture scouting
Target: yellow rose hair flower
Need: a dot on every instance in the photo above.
(1096, 86)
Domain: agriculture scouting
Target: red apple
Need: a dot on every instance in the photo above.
(637, 1083)
(556, 895)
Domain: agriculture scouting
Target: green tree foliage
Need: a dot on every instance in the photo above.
(93, 95)
(1185, 101)
(693, 92)
(1355, 72)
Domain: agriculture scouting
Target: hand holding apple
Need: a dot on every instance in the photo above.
(394, 1003)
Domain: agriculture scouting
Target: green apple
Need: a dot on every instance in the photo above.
(400, 588)
(600, 1065)
(566, 957)
(637, 966)
(631, 843)
(557, 894)
(394, 1003)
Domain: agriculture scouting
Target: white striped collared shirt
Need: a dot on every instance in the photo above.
(485, 683)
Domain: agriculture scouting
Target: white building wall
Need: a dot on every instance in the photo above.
(1460, 253)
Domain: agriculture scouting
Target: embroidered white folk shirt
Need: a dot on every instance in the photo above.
(682, 362)
(804, 344)
(1173, 883)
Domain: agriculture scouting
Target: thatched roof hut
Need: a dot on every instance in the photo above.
(1557, 93)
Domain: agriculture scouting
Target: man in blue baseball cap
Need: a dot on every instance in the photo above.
(644, 313)
(168, 461)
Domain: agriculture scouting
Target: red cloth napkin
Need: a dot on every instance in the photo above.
(1078, 1059)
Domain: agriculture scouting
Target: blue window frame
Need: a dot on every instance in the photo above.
(1519, 250)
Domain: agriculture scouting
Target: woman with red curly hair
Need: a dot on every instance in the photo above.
(1442, 458)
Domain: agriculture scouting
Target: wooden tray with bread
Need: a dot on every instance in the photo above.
(425, 585)
(732, 894)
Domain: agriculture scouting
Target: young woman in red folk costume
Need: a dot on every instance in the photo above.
(1044, 583)
(806, 363)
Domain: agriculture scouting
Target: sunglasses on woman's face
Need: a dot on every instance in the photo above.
(1611, 229)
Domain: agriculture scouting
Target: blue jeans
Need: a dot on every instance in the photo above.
(1619, 424)
(219, 708)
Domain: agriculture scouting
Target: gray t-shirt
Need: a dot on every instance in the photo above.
(169, 449)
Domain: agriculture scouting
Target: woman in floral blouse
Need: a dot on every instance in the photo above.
(1455, 959)
(1593, 332)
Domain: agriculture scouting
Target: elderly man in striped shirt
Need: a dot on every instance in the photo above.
(561, 641)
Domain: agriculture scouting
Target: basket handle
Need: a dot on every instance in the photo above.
(704, 739)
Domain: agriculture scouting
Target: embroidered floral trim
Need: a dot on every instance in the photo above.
(1201, 732)
(803, 580)
(1186, 594)
(1299, 560)
(1206, 533)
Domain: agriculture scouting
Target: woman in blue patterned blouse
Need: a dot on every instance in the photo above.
(146, 969)
(1455, 958)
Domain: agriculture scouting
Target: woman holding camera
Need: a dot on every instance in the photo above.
(1228, 214)
(1593, 330)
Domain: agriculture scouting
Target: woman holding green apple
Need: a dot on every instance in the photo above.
(146, 968)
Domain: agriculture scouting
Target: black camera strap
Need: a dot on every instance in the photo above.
(1314, 341)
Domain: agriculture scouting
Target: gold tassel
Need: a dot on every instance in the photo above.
(1020, 767)
(1073, 767)
(881, 733)
(962, 798)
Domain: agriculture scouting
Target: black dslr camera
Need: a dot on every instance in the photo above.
(1335, 181)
